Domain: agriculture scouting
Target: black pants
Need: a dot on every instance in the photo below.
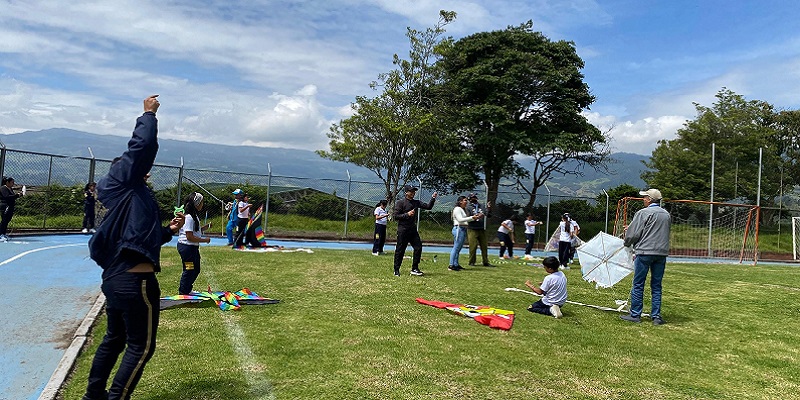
(8, 212)
(564, 250)
(505, 243)
(529, 243)
(540, 308)
(380, 238)
(404, 238)
(190, 258)
(241, 225)
(88, 216)
(133, 310)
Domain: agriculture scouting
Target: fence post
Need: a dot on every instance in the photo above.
(47, 195)
(606, 193)
(2, 158)
(547, 226)
(347, 204)
(265, 221)
(92, 164)
(180, 183)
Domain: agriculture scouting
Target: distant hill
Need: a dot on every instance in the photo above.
(627, 167)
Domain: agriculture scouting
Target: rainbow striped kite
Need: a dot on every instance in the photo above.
(225, 300)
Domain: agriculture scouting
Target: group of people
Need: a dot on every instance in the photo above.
(238, 217)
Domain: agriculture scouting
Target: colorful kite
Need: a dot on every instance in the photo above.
(493, 317)
(225, 300)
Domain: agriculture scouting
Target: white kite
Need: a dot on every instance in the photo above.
(552, 244)
(605, 260)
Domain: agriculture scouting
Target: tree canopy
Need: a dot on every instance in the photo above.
(737, 127)
(514, 92)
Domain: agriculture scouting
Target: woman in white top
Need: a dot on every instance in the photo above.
(569, 230)
(189, 239)
(244, 217)
(381, 219)
(460, 220)
(505, 234)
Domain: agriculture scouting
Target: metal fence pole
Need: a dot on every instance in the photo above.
(92, 165)
(419, 181)
(607, 201)
(180, 183)
(547, 226)
(711, 206)
(347, 204)
(265, 221)
(47, 195)
(2, 158)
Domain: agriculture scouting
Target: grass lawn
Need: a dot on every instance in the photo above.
(347, 329)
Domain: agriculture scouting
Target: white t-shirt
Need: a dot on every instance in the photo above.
(530, 226)
(188, 226)
(503, 229)
(379, 212)
(246, 213)
(565, 236)
(554, 287)
(460, 217)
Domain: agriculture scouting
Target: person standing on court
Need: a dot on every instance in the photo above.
(127, 245)
(648, 236)
(530, 234)
(405, 213)
(89, 203)
(243, 217)
(233, 215)
(8, 201)
(381, 220)
(476, 231)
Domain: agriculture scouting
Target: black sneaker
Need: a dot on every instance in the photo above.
(416, 272)
(458, 268)
(658, 321)
(397, 272)
(452, 268)
(471, 264)
(630, 318)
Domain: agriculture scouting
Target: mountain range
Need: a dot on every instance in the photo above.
(624, 168)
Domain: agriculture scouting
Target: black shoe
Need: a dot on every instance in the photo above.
(488, 265)
(658, 321)
(416, 272)
(630, 318)
(397, 272)
(458, 268)
(471, 264)
(452, 268)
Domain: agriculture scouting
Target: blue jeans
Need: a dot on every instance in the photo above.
(459, 235)
(132, 308)
(641, 265)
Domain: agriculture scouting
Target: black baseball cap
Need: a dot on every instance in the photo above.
(409, 188)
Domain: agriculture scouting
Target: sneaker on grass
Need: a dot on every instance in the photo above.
(658, 321)
(556, 311)
(416, 272)
(376, 254)
(630, 318)
(396, 273)
(453, 268)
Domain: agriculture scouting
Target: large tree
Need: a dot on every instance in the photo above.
(515, 92)
(398, 133)
(737, 127)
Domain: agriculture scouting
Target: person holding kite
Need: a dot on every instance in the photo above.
(127, 245)
(553, 290)
(405, 213)
(460, 221)
(233, 215)
(189, 239)
(648, 236)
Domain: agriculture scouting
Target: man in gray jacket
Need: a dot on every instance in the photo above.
(648, 235)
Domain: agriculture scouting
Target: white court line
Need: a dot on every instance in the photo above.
(259, 384)
(25, 253)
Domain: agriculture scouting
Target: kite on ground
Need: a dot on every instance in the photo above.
(225, 300)
(493, 317)
(620, 303)
(605, 260)
(552, 244)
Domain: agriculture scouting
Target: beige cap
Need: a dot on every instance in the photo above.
(654, 194)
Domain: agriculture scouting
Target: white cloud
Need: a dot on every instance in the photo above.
(639, 136)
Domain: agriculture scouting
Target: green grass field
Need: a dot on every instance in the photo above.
(347, 329)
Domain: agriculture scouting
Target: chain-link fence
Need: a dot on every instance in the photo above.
(311, 208)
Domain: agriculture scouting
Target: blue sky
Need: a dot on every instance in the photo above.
(278, 73)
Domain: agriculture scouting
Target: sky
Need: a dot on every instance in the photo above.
(278, 73)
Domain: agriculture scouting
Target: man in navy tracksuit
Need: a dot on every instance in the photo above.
(127, 246)
(405, 213)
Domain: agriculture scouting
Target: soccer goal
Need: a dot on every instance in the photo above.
(704, 229)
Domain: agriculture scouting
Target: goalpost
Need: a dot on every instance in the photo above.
(704, 229)
(795, 237)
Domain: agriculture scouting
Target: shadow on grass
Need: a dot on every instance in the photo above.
(207, 389)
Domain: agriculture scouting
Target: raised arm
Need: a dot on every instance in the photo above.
(137, 161)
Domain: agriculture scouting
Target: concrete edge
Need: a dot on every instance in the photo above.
(64, 367)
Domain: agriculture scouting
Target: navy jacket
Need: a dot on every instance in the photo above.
(401, 209)
(132, 221)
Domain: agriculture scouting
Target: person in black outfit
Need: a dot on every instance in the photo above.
(405, 213)
(8, 200)
(127, 245)
(88, 207)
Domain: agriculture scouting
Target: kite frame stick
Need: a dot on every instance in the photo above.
(621, 308)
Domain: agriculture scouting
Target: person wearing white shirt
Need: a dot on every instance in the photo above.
(244, 218)
(569, 232)
(505, 234)
(189, 238)
(530, 231)
(460, 221)
(381, 220)
(553, 290)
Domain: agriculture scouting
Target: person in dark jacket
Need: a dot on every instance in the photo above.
(127, 245)
(476, 230)
(89, 201)
(8, 201)
(405, 213)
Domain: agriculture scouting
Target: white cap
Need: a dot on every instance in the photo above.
(654, 194)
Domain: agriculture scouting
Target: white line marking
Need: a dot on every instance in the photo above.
(259, 384)
(25, 253)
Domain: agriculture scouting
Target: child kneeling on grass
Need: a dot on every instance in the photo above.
(553, 290)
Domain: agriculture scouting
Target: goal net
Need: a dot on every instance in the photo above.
(704, 229)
